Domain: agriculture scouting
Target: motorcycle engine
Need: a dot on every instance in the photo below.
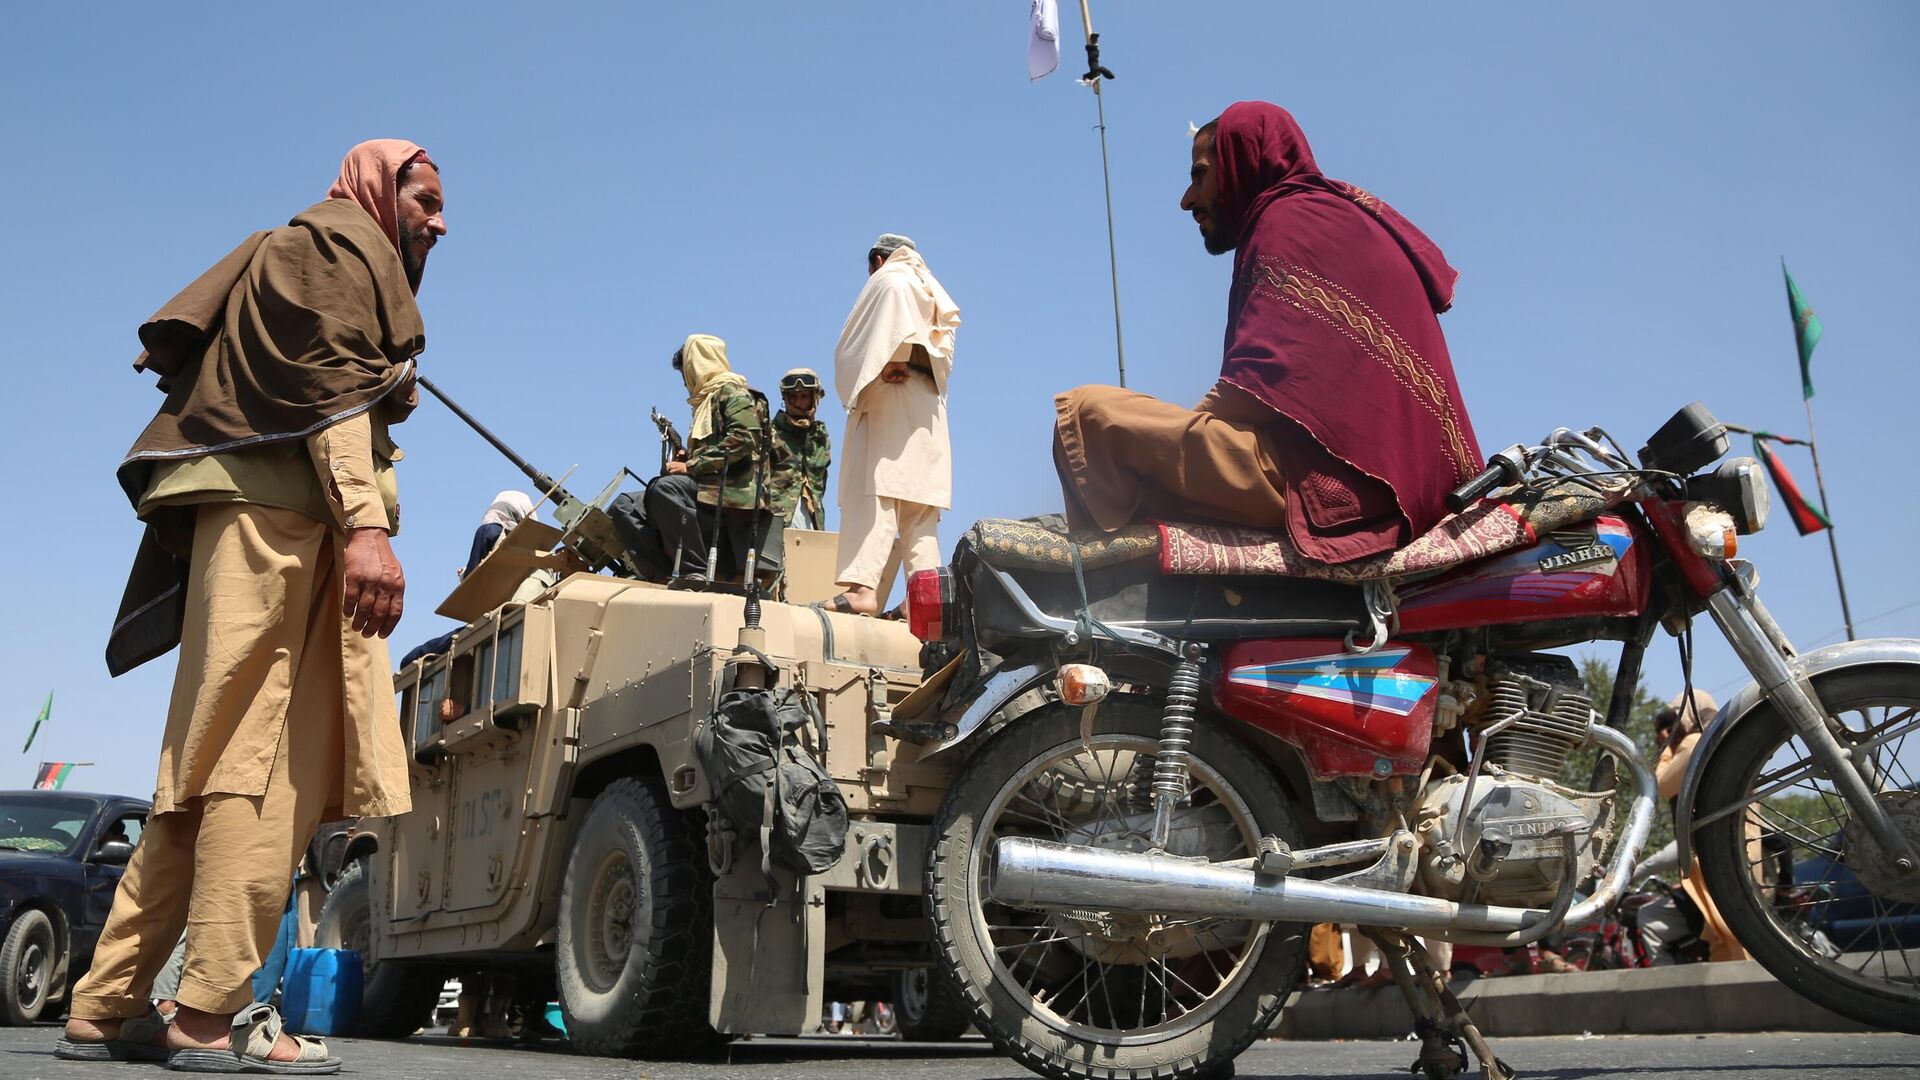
(1509, 847)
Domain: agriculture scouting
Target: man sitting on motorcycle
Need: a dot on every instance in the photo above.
(1336, 417)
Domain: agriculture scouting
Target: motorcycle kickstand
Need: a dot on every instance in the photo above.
(1445, 1030)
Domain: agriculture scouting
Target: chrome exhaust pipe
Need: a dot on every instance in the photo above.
(1041, 873)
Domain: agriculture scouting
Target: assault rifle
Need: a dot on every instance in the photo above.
(587, 530)
(672, 447)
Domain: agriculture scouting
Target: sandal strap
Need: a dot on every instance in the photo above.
(256, 1031)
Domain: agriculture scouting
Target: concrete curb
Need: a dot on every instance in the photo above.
(1683, 999)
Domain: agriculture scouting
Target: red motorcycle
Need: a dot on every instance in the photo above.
(1180, 746)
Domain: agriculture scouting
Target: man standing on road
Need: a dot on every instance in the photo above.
(891, 368)
(802, 451)
(266, 485)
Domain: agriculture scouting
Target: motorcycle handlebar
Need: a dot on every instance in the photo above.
(1509, 466)
(1469, 493)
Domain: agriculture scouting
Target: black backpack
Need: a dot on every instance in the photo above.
(762, 778)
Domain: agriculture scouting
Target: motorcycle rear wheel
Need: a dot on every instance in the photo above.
(1094, 995)
(1875, 980)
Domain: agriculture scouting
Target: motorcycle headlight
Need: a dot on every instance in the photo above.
(1738, 486)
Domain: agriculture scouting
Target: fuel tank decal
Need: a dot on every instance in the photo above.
(1367, 681)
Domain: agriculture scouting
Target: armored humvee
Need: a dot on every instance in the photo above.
(561, 832)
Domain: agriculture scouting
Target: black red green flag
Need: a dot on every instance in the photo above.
(1807, 517)
(53, 774)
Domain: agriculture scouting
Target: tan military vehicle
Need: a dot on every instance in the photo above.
(561, 840)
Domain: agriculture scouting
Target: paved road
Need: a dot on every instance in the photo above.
(27, 1054)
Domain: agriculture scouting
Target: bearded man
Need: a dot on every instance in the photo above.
(1336, 417)
(802, 451)
(266, 484)
(891, 368)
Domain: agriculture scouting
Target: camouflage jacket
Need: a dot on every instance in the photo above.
(801, 454)
(739, 418)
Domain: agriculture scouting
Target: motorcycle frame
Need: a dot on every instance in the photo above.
(1036, 872)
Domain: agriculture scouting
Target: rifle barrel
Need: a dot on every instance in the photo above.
(546, 483)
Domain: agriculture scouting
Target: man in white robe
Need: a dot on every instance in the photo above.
(891, 369)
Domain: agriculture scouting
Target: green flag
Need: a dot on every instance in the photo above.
(41, 719)
(1806, 330)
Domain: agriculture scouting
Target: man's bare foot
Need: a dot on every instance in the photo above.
(99, 1031)
(864, 599)
(195, 1030)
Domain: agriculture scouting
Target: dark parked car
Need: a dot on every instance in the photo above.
(61, 857)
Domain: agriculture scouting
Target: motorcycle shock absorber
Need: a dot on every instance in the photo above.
(1176, 733)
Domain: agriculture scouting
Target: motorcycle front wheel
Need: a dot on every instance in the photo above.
(1798, 881)
(1097, 995)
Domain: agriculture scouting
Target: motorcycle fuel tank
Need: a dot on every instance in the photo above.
(1351, 714)
(1595, 569)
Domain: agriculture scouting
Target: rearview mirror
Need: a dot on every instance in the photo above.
(114, 853)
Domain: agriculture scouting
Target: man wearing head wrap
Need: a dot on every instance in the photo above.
(1683, 720)
(802, 451)
(266, 486)
(891, 368)
(1336, 416)
(718, 478)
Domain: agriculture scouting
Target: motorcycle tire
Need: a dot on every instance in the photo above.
(1721, 849)
(1204, 1038)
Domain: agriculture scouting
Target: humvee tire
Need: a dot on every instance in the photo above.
(928, 1007)
(635, 951)
(396, 1000)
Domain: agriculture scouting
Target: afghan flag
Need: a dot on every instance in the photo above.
(1806, 334)
(1807, 517)
(53, 774)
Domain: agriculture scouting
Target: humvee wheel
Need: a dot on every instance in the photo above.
(1098, 995)
(635, 953)
(396, 1000)
(929, 1007)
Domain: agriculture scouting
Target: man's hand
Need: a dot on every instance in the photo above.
(676, 468)
(894, 372)
(375, 585)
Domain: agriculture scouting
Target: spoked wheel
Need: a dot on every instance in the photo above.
(1799, 881)
(1097, 994)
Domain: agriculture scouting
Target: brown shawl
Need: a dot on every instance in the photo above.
(298, 328)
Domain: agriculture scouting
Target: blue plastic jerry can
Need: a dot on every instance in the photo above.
(321, 994)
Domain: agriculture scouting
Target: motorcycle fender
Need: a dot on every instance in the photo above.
(1812, 666)
(1001, 688)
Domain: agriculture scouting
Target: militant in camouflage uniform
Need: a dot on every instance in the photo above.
(802, 452)
(738, 417)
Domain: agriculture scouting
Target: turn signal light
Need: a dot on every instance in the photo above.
(1083, 684)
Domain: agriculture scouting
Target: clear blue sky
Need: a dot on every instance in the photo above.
(1617, 184)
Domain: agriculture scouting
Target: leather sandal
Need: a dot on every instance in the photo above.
(256, 1030)
(839, 603)
(136, 1042)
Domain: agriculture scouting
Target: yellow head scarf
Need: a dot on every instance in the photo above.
(704, 367)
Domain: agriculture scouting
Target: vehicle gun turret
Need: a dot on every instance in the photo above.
(587, 530)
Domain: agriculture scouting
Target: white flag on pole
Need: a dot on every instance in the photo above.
(1043, 47)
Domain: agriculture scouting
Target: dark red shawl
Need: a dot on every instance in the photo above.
(1331, 321)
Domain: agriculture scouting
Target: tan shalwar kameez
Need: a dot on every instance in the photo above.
(283, 366)
(282, 716)
(1124, 457)
(896, 472)
(1670, 770)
